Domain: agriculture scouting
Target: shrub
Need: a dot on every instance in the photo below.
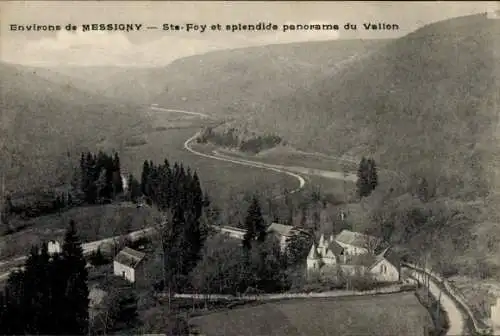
(97, 258)
(135, 142)
(361, 282)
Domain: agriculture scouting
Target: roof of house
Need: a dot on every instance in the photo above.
(356, 239)
(232, 228)
(366, 260)
(335, 248)
(389, 255)
(281, 229)
(129, 257)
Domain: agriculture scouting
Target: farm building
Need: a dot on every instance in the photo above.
(354, 258)
(284, 232)
(232, 232)
(128, 264)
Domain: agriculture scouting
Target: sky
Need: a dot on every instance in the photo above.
(159, 47)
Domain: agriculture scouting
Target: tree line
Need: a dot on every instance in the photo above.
(176, 191)
(101, 177)
(50, 296)
(257, 264)
(232, 138)
(99, 180)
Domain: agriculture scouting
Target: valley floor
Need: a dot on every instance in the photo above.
(392, 314)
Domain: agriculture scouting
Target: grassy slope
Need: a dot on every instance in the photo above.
(93, 223)
(420, 103)
(396, 314)
(42, 120)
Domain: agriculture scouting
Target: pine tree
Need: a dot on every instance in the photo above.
(117, 177)
(100, 185)
(144, 178)
(363, 182)
(197, 196)
(372, 175)
(254, 224)
(74, 272)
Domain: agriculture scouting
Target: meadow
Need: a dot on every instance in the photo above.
(92, 222)
(223, 181)
(392, 314)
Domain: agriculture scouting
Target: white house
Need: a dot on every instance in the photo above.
(386, 267)
(53, 247)
(352, 258)
(128, 264)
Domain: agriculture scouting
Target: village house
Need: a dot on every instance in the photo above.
(355, 243)
(53, 247)
(284, 233)
(347, 253)
(128, 264)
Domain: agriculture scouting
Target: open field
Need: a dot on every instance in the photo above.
(290, 157)
(222, 180)
(393, 314)
(92, 223)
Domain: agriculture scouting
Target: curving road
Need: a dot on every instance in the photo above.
(217, 156)
(302, 181)
(455, 316)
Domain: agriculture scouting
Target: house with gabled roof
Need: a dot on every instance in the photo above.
(128, 264)
(356, 243)
(284, 233)
(349, 256)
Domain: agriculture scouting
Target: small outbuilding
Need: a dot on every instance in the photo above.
(128, 264)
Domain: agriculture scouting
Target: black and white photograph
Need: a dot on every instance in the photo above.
(250, 168)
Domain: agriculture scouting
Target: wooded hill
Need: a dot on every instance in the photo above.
(43, 122)
(423, 103)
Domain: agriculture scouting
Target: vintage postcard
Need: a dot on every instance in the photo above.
(238, 168)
